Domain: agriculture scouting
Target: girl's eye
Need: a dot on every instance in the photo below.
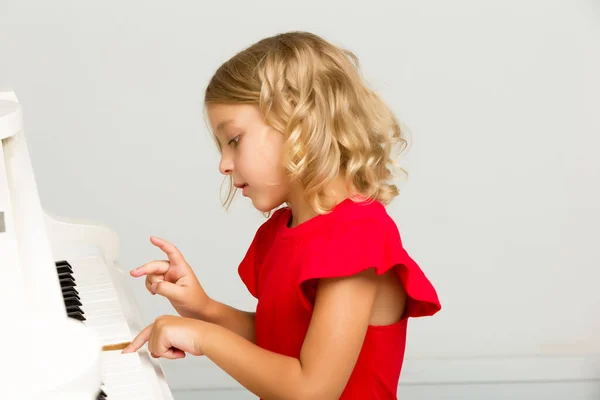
(234, 141)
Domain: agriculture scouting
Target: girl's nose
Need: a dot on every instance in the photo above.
(226, 166)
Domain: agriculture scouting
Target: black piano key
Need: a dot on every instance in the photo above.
(73, 299)
(65, 286)
(67, 278)
(63, 265)
(72, 302)
(62, 262)
(76, 316)
(65, 273)
(67, 282)
(74, 309)
(70, 294)
(101, 395)
(64, 269)
(70, 289)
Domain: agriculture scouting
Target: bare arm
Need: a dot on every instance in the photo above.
(332, 345)
(238, 321)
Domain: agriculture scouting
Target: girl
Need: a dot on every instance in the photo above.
(295, 124)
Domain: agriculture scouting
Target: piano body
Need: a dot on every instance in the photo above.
(66, 294)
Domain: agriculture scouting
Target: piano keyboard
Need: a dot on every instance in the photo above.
(90, 297)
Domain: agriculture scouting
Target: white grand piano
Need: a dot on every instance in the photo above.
(63, 299)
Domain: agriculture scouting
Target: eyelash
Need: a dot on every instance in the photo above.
(234, 140)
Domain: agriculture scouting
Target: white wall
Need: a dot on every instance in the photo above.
(501, 209)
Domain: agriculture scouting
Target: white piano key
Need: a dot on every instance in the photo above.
(92, 282)
(100, 276)
(124, 376)
(100, 295)
(115, 357)
(105, 331)
(84, 273)
(98, 323)
(105, 320)
(101, 305)
(107, 317)
(95, 288)
(117, 327)
(108, 340)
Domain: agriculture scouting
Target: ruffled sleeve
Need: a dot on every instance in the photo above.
(365, 243)
(249, 267)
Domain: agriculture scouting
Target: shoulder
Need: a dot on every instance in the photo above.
(355, 236)
(361, 236)
(363, 222)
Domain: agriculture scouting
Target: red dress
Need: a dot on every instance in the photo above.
(282, 265)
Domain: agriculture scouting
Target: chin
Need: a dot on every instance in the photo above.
(266, 205)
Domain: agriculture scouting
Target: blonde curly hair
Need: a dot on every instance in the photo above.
(313, 92)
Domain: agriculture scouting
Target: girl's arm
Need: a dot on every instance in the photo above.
(335, 336)
(230, 318)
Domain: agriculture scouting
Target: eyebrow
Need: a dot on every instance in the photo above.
(224, 124)
(219, 129)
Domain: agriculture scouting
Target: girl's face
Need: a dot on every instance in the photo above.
(251, 152)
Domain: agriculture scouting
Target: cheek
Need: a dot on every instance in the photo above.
(262, 160)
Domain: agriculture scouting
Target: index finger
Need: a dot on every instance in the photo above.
(152, 268)
(170, 250)
(139, 340)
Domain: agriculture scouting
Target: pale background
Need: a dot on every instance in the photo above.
(501, 208)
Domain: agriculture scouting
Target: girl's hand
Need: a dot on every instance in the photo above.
(175, 280)
(169, 337)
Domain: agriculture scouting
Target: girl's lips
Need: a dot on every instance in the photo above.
(242, 186)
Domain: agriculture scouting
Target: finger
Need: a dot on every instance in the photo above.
(154, 267)
(160, 346)
(170, 250)
(139, 340)
(173, 353)
(153, 280)
(167, 289)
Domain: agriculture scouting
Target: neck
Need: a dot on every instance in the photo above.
(335, 193)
